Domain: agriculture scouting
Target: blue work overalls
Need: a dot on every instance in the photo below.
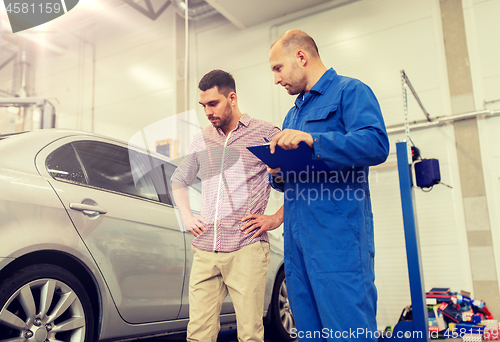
(328, 221)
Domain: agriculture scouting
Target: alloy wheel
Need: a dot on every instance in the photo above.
(43, 310)
(285, 311)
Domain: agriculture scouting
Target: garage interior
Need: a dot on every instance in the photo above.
(115, 67)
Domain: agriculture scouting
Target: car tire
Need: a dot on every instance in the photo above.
(281, 324)
(45, 302)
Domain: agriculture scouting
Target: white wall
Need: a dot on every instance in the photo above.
(490, 153)
(483, 39)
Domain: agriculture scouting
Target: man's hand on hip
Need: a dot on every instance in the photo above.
(289, 139)
(195, 224)
(263, 223)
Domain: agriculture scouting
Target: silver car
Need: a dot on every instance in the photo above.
(90, 244)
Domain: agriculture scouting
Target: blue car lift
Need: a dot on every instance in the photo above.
(418, 328)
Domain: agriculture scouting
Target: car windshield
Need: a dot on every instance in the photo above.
(8, 135)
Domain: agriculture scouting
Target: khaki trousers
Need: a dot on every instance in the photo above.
(242, 274)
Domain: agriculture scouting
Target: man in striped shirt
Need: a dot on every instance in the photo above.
(234, 188)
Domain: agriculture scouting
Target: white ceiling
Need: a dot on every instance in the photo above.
(247, 13)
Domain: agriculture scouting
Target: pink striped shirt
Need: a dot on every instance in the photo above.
(234, 183)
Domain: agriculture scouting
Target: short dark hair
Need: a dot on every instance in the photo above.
(224, 82)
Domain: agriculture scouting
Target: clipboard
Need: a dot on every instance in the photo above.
(297, 160)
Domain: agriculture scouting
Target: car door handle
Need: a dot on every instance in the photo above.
(87, 207)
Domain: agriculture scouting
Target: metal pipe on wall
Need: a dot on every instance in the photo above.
(443, 120)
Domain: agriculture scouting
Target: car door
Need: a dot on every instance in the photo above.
(130, 229)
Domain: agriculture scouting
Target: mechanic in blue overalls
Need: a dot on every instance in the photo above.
(328, 221)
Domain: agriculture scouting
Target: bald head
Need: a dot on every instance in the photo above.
(294, 40)
(295, 62)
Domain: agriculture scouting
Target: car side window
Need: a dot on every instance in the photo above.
(164, 170)
(194, 191)
(63, 163)
(115, 168)
(156, 169)
(165, 188)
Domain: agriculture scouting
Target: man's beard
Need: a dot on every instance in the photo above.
(221, 123)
